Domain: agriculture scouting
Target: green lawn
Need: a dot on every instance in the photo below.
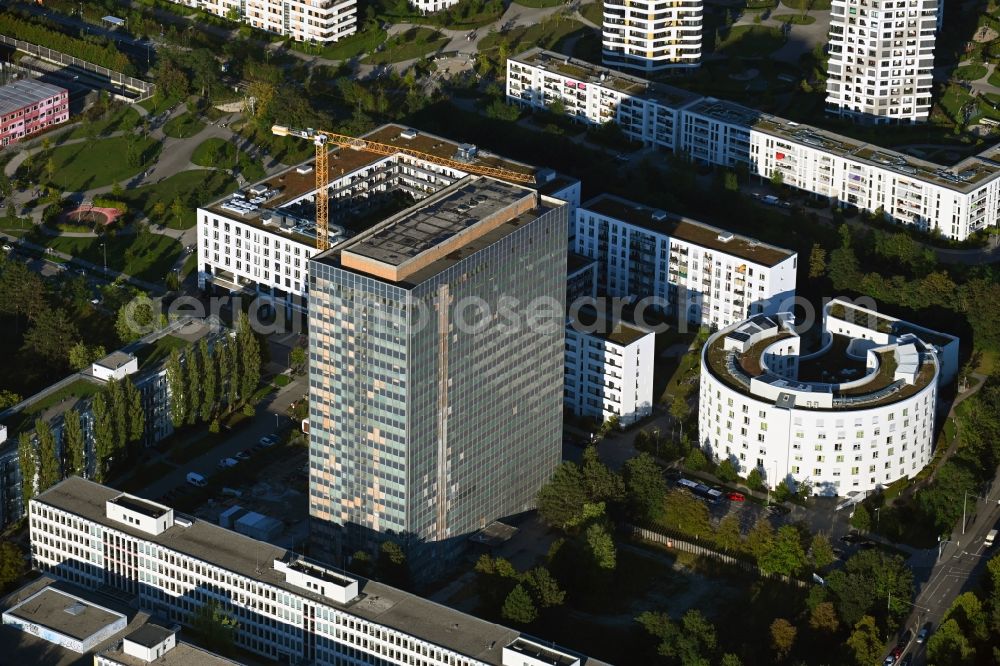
(79, 389)
(84, 166)
(972, 72)
(356, 45)
(189, 265)
(183, 126)
(152, 354)
(123, 118)
(145, 256)
(545, 34)
(994, 79)
(751, 41)
(806, 4)
(593, 12)
(955, 97)
(795, 19)
(537, 4)
(414, 43)
(158, 103)
(190, 187)
(221, 154)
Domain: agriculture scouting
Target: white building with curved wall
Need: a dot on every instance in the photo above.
(852, 416)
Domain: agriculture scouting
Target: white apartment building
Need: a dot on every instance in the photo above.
(259, 241)
(317, 21)
(697, 273)
(955, 201)
(881, 65)
(428, 6)
(609, 370)
(853, 415)
(654, 35)
(288, 608)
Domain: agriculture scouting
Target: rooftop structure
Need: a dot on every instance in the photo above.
(53, 611)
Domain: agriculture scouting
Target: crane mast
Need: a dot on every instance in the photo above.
(321, 140)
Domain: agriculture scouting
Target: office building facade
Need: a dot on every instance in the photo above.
(288, 608)
(435, 381)
(881, 64)
(955, 201)
(652, 36)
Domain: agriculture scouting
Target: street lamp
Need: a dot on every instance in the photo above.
(104, 245)
(878, 516)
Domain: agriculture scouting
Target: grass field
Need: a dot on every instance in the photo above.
(972, 72)
(751, 41)
(145, 256)
(221, 154)
(358, 44)
(183, 126)
(795, 19)
(84, 166)
(545, 34)
(807, 4)
(414, 43)
(537, 4)
(158, 104)
(123, 118)
(190, 187)
(953, 100)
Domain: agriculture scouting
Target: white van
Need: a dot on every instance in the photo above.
(196, 479)
(990, 538)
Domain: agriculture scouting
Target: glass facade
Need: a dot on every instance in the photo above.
(436, 406)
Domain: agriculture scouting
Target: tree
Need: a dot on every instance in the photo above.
(782, 637)
(544, 588)
(49, 469)
(726, 471)
(686, 514)
(777, 178)
(49, 335)
(696, 460)
(782, 492)
(785, 556)
(645, 487)
(680, 409)
(760, 539)
(103, 435)
(73, 443)
(223, 357)
(949, 645)
(215, 627)
(136, 413)
(993, 588)
(561, 500)
(728, 536)
(600, 483)
(192, 384)
(861, 520)
(689, 642)
(177, 209)
(177, 388)
(27, 458)
(518, 606)
(297, 358)
(361, 563)
(12, 564)
(865, 642)
(210, 380)
(821, 551)
(868, 580)
(249, 359)
(22, 292)
(137, 318)
(968, 611)
(730, 659)
(754, 479)
(119, 417)
(823, 617)
(9, 399)
(81, 356)
(391, 566)
(601, 547)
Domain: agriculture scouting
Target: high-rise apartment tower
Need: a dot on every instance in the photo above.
(652, 36)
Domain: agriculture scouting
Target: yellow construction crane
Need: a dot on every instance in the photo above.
(321, 139)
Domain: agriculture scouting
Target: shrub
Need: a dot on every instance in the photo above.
(754, 480)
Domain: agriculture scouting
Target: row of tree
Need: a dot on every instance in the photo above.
(204, 380)
(967, 633)
(96, 50)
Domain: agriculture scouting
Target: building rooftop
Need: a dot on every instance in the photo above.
(182, 654)
(150, 635)
(138, 505)
(14, 96)
(115, 360)
(883, 323)
(379, 603)
(666, 95)
(64, 613)
(686, 229)
(439, 230)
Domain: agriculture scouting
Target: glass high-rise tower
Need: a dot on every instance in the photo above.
(436, 368)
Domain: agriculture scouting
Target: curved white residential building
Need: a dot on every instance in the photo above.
(654, 35)
(854, 416)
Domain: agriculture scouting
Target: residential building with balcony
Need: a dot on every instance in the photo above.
(652, 36)
(955, 201)
(881, 64)
(258, 241)
(852, 415)
(288, 608)
(609, 369)
(696, 273)
(319, 21)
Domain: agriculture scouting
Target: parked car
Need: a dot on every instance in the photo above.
(853, 537)
(905, 639)
(268, 440)
(243, 455)
(924, 633)
(228, 462)
(196, 479)
(778, 509)
(7, 247)
(736, 497)
(907, 660)
(867, 545)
